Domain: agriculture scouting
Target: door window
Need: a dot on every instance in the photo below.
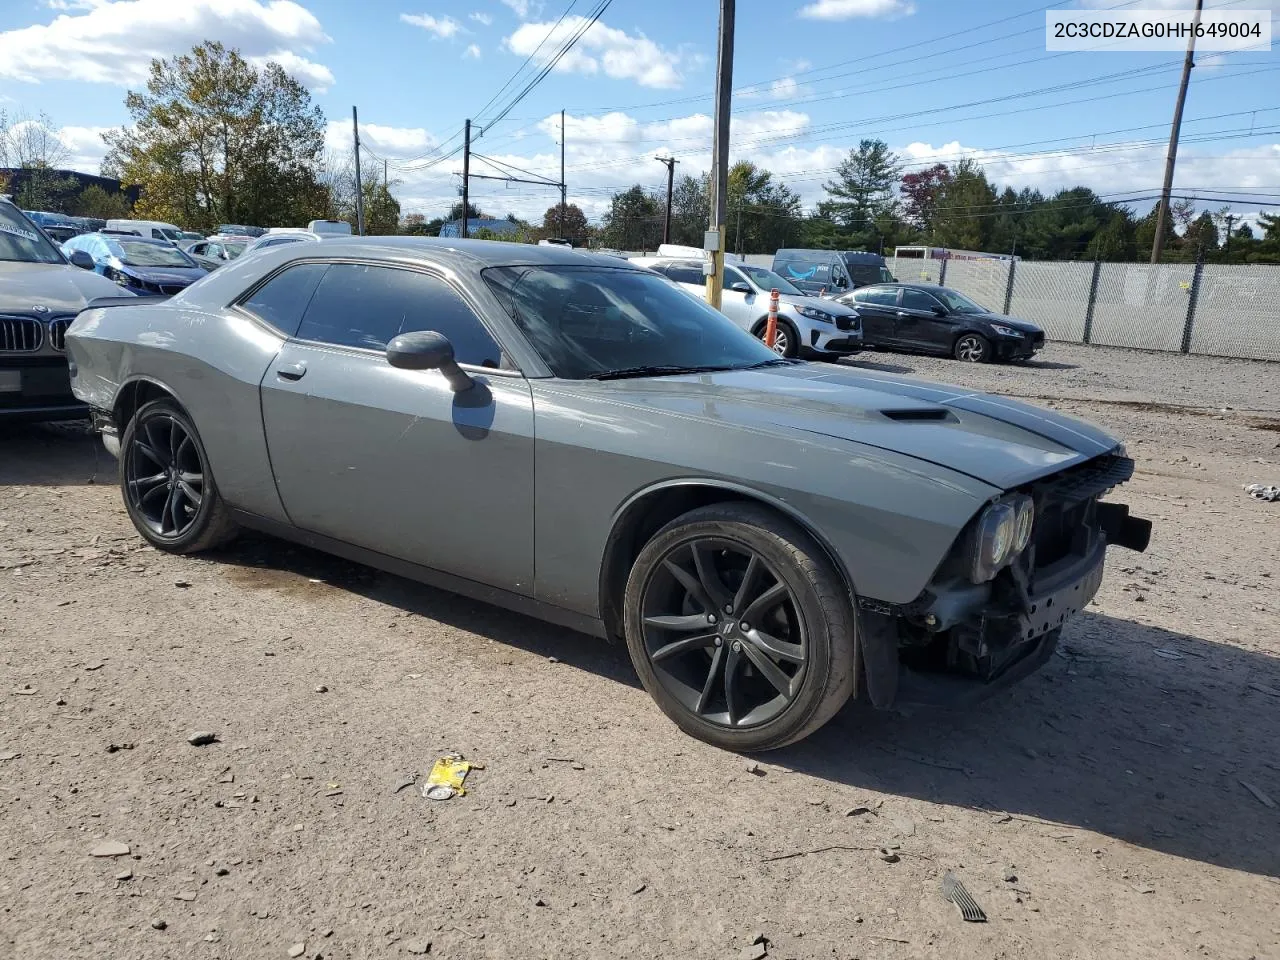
(732, 276)
(877, 296)
(282, 299)
(918, 300)
(686, 273)
(357, 305)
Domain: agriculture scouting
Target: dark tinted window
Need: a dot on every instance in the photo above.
(357, 305)
(918, 300)
(279, 240)
(806, 271)
(884, 296)
(686, 273)
(865, 273)
(283, 298)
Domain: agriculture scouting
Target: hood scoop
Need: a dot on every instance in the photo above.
(920, 415)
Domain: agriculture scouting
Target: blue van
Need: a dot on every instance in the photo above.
(831, 271)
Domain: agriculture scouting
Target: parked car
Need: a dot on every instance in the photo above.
(213, 252)
(330, 228)
(140, 265)
(40, 293)
(279, 237)
(155, 229)
(57, 227)
(932, 319)
(240, 230)
(831, 272)
(807, 326)
(576, 438)
(188, 236)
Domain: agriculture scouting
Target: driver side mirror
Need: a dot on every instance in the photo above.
(428, 350)
(940, 311)
(740, 287)
(81, 259)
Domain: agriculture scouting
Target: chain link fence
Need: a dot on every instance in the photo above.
(1226, 311)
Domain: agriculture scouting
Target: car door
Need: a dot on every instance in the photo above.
(918, 323)
(878, 307)
(743, 308)
(393, 460)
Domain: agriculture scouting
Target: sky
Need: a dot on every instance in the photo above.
(937, 80)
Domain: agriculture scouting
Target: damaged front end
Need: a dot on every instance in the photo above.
(994, 610)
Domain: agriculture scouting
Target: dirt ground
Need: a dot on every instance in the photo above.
(1099, 809)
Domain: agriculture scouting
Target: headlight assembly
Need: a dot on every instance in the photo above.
(813, 313)
(1003, 532)
(1004, 331)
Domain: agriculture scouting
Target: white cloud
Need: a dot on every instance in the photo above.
(114, 41)
(848, 9)
(443, 27)
(601, 48)
(523, 8)
(786, 88)
(483, 19)
(316, 76)
(472, 51)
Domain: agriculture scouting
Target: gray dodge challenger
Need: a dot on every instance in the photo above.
(580, 440)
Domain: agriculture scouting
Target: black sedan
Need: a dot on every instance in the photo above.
(933, 319)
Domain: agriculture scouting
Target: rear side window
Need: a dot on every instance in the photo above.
(356, 305)
(686, 273)
(282, 300)
(882, 296)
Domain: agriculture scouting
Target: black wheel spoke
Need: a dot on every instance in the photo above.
(748, 586)
(778, 649)
(696, 621)
(185, 446)
(764, 603)
(170, 515)
(683, 645)
(768, 669)
(150, 453)
(704, 562)
(691, 584)
(713, 673)
(147, 484)
(193, 495)
(731, 685)
(150, 495)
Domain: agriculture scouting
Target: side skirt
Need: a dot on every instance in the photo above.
(427, 575)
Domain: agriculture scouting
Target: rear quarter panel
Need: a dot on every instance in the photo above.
(889, 518)
(211, 360)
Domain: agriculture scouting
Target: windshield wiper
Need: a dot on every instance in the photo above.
(775, 362)
(660, 370)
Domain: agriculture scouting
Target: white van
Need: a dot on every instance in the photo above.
(153, 229)
(330, 227)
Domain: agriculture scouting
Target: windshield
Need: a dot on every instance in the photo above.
(957, 302)
(21, 241)
(233, 249)
(136, 254)
(768, 280)
(591, 321)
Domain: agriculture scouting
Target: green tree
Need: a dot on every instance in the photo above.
(1145, 233)
(690, 209)
(381, 210)
(763, 213)
(94, 201)
(1268, 246)
(214, 139)
(920, 192)
(863, 189)
(574, 224)
(965, 207)
(1201, 235)
(634, 221)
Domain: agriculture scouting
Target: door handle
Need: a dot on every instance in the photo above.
(291, 371)
(903, 314)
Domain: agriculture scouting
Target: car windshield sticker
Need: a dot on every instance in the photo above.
(18, 232)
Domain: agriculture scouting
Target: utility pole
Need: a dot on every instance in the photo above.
(466, 174)
(560, 232)
(720, 149)
(355, 130)
(1162, 212)
(670, 163)
(1231, 218)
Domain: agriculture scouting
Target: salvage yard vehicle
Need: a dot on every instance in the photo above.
(138, 264)
(576, 438)
(40, 294)
(927, 318)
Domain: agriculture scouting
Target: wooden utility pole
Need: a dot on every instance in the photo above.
(355, 130)
(720, 148)
(1162, 212)
(466, 176)
(670, 163)
(560, 232)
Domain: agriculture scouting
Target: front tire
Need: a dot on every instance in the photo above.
(786, 342)
(168, 489)
(739, 628)
(972, 348)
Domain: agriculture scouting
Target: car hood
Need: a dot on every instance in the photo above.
(166, 274)
(61, 287)
(1013, 322)
(999, 441)
(832, 307)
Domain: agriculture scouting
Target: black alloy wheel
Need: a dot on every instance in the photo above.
(166, 484)
(723, 633)
(739, 627)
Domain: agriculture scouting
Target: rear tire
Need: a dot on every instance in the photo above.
(737, 683)
(167, 486)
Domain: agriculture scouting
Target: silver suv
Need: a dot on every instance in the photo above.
(807, 326)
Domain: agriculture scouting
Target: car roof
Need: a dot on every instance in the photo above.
(132, 238)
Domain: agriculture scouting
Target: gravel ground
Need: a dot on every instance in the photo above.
(1121, 802)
